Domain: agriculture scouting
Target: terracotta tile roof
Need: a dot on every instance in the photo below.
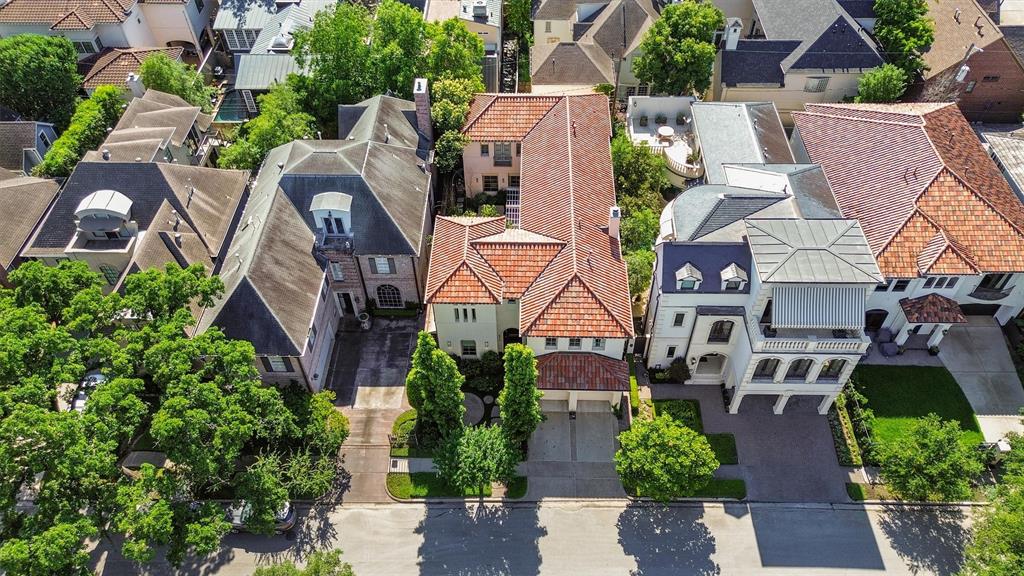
(505, 118)
(114, 65)
(928, 196)
(66, 14)
(581, 371)
(932, 309)
(566, 270)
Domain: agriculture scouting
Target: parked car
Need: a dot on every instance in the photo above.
(88, 384)
(238, 514)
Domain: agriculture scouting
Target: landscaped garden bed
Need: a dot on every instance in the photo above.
(687, 412)
(404, 441)
(403, 486)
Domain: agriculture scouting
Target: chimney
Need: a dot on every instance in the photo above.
(421, 95)
(733, 31)
(614, 216)
(106, 154)
(135, 85)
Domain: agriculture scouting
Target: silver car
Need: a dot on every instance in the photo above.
(88, 384)
(238, 514)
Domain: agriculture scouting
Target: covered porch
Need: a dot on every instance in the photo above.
(572, 377)
(925, 321)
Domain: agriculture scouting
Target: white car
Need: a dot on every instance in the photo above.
(88, 384)
(239, 513)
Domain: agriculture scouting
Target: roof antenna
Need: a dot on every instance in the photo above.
(906, 173)
(387, 134)
(574, 128)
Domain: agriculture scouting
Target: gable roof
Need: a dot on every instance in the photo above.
(66, 14)
(112, 66)
(947, 208)
(570, 63)
(811, 251)
(23, 202)
(567, 272)
(954, 36)
(15, 137)
(157, 109)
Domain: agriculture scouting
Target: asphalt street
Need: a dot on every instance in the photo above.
(595, 538)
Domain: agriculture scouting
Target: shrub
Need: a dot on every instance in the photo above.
(679, 371)
(87, 131)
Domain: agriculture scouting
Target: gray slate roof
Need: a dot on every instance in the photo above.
(272, 274)
(811, 251)
(701, 210)
(244, 14)
(15, 137)
(23, 202)
(739, 133)
(710, 258)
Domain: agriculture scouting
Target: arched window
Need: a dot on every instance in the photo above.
(721, 331)
(389, 297)
(798, 369)
(831, 369)
(766, 369)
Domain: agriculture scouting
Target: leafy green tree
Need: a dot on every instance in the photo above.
(662, 459)
(264, 493)
(160, 72)
(162, 293)
(308, 475)
(931, 462)
(281, 120)
(517, 20)
(320, 563)
(997, 546)
(443, 399)
(52, 287)
(883, 84)
(904, 31)
(639, 230)
(115, 405)
(418, 379)
(337, 56)
(677, 53)
(88, 129)
(40, 78)
(639, 269)
(476, 457)
(519, 399)
(56, 550)
(448, 150)
(453, 51)
(397, 47)
(639, 176)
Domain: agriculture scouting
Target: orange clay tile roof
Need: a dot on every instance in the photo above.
(66, 14)
(581, 371)
(114, 65)
(932, 309)
(929, 198)
(567, 272)
(505, 118)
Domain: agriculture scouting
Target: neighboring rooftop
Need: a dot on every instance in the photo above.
(159, 110)
(958, 24)
(1009, 152)
(15, 138)
(739, 133)
(244, 14)
(811, 251)
(928, 196)
(113, 65)
(568, 274)
(23, 202)
(66, 14)
(269, 60)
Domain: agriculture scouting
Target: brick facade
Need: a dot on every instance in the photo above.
(998, 99)
(405, 277)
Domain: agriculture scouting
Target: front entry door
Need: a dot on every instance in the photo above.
(345, 302)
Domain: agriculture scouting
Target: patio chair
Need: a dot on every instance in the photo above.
(884, 336)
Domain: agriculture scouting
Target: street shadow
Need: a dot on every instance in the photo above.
(480, 540)
(927, 539)
(815, 538)
(107, 555)
(667, 540)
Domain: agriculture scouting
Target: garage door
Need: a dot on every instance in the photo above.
(980, 309)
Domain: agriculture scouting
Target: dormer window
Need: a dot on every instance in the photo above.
(332, 213)
(734, 278)
(688, 278)
(104, 214)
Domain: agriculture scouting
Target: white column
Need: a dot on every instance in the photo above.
(573, 397)
(904, 333)
(826, 403)
(780, 404)
(937, 334)
(734, 406)
(812, 374)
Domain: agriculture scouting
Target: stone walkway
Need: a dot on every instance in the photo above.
(977, 356)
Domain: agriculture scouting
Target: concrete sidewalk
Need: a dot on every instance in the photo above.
(977, 356)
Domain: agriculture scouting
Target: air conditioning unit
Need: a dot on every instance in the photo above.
(480, 8)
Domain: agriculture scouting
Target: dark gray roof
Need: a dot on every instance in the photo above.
(756, 62)
(859, 8)
(708, 257)
(841, 45)
(809, 187)
(721, 311)
(23, 202)
(701, 210)
(570, 63)
(1014, 36)
(15, 137)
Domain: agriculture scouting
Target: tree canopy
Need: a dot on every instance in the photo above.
(904, 31)
(475, 457)
(197, 400)
(663, 459)
(40, 78)
(160, 72)
(883, 84)
(519, 399)
(930, 462)
(281, 119)
(320, 563)
(88, 129)
(676, 53)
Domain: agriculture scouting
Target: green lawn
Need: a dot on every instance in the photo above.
(402, 429)
(634, 389)
(898, 395)
(517, 488)
(402, 485)
(724, 488)
(687, 412)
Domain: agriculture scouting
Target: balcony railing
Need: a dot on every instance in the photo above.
(990, 294)
(805, 341)
(502, 161)
(326, 241)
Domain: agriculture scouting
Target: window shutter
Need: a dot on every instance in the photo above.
(391, 265)
(287, 363)
(266, 364)
(373, 266)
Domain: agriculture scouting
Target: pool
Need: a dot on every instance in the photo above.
(232, 109)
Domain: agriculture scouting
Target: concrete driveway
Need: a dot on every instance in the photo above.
(574, 458)
(787, 457)
(368, 375)
(977, 356)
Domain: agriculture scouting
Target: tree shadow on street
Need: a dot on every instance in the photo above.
(667, 540)
(480, 540)
(928, 539)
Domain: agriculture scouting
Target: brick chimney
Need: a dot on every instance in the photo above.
(614, 216)
(421, 94)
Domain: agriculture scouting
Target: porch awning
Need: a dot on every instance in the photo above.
(581, 371)
(932, 309)
(829, 307)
